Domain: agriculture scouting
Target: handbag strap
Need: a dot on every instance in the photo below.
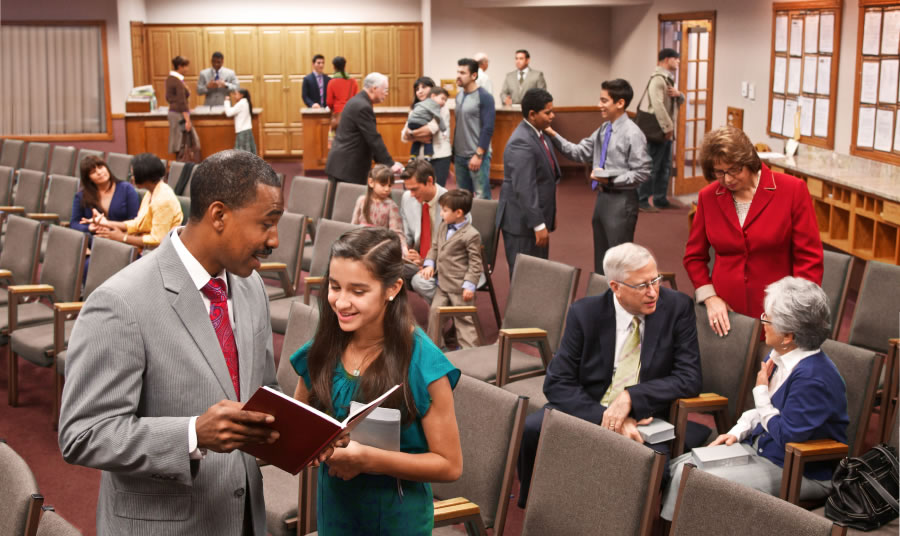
(879, 489)
(889, 455)
(648, 87)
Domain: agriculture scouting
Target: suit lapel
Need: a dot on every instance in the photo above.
(607, 332)
(765, 191)
(539, 146)
(726, 205)
(652, 326)
(243, 332)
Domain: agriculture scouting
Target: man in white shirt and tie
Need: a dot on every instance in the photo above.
(217, 82)
(521, 80)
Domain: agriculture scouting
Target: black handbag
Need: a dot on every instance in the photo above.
(647, 122)
(864, 493)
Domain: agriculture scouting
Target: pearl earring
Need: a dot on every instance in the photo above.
(391, 298)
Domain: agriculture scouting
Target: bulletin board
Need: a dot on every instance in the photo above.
(876, 129)
(806, 43)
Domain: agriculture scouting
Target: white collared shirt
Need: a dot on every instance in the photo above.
(624, 327)
(177, 75)
(524, 73)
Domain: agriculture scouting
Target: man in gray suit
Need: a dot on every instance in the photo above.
(521, 80)
(217, 82)
(527, 210)
(162, 357)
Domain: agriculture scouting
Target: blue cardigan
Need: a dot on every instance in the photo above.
(813, 405)
(123, 206)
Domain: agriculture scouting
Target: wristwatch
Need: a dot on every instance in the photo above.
(479, 155)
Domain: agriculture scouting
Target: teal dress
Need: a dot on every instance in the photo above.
(380, 504)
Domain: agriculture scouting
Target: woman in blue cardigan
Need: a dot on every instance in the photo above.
(799, 396)
(102, 194)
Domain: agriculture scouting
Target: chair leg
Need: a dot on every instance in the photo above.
(490, 286)
(12, 359)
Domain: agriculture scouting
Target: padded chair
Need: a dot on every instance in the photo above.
(82, 154)
(120, 165)
(539, 296)
(19, 257)
(7, 178)
(185, 203)
(11, 153)
(187, 187)
(345, 196)
(484, 218)
(62, 161)
(53, 524)
(490, 443)
(58, 208)
(708, 505)
(727, 363)
(61, 277)
(835, 282)
(307, 196)
(889, 394)
(37, 156)
(860, 369)
(284, 262)
(28, 197)
(877, 308)
(19, 492)
(174, 174)
(597, 284)
(579, 470)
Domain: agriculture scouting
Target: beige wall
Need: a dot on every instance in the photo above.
(275, 11)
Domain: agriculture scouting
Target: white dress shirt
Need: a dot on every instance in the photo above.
(623, 328)
(484, 81)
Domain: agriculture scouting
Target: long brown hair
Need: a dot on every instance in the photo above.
(382, 175)
(90, 197)
(379, 250)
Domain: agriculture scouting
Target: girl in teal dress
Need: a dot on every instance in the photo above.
(365, 343)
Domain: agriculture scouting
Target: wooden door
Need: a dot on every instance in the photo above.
(274, 91)
(379, 58)
(407, 62)
(188, 42)
(159, 43)
(297, 65)
(242, 59)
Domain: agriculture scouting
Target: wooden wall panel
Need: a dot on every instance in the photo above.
(325, 42)
(352, 45)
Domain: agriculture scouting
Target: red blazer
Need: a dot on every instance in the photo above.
(780, 237)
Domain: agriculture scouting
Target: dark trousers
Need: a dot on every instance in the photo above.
(696, 435)
(615, 217)
(441, 169)
(661, 169)
(516, 243)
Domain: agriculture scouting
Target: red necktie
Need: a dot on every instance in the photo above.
(547, 148)
(218, 315)
(425, 235)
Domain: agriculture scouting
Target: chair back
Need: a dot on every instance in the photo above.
(185, 203)
(53, 524)
(345, 196)
(21, 249)
(835, 282)
(307, 196)
(60, 194)
(397, 195)
(18, 494)
(64, 262)
(893, 440)
(539, 296)
(30, 190)
(187, 187)
(597, 285)
(7, 177)
(580, 472)
(490, 443)
(174, 173)
(301, 326)
(709, 505)
(484, 218)
(37, 156)
(329, 231)
(727, 361)
(11, 153)
(861, 369)
(877, 308)
(291, 235)
(119, 165)
(82, 154)
(63, 160)
(107, 258)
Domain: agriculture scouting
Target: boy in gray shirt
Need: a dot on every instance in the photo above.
(422, 113)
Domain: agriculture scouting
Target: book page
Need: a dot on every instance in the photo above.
(777, 115)
(309, 408)
(823, 76)
(794, 73)
(868, 92)
(811, 37)
(872, 33)
(809, 73)
(779, 76)
(362, 411)
(884, 130)
(887, 91)
(865, 130)
(781, 33)
(826, 33)
(821, 119)
(797, 37)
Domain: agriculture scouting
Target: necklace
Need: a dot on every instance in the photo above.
(365, 361)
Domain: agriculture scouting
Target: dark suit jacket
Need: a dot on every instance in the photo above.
(311, 89)
(356, 142)
(582, 370)
(528, 194)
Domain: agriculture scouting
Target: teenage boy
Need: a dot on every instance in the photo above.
(618, 153)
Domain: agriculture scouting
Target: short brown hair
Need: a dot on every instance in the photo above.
(727, 145)
(457, 200)
(418, 169)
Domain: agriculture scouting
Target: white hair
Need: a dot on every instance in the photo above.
(480, 57)
(798, 306)
(624, 258)
(374, 80)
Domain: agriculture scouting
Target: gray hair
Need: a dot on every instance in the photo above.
(374, 80)
(624, 258)
(798, 306)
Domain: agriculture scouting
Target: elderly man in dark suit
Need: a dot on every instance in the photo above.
(624, 357)
(527, 210)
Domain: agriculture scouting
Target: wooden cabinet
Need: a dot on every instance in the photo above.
(393, 50)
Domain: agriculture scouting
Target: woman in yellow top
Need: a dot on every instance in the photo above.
(159, 212)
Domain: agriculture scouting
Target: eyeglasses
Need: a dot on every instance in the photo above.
(643, 286)
(719, 174)
(764, 318)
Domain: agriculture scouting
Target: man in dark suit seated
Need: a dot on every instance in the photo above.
(624, 357)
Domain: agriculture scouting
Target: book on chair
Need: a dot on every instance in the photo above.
(304, 431)
(720, 456)
(657, 431)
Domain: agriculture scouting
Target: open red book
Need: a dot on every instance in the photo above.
(304, 430)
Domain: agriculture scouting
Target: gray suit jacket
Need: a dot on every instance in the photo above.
(216, 97)
(457, 259)
(511, 85)
(528, 194)
(143, 359)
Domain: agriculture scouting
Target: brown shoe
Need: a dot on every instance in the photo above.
(645, 207)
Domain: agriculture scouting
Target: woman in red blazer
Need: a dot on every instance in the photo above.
(760, 225)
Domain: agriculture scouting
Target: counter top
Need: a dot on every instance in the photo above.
(199, 111)
(378, 110)
(861, 174)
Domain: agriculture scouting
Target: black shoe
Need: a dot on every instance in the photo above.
(645, 207)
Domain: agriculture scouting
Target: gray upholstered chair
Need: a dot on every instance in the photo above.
(37, 156)
(18, 494)
(877, 308)
(119, 165)
(58, 208)
(19, 257)
(281, 489)
(835, 282)
(484, 218)
(185, 203)
(187, 187)
(490, 443)
(709, 505)
(284, 262)
(11, 153)
(53, 524)
(889, 393)
(307, 196)
(7, 178)
(860, 369)
(28, 196)
(82, 154)
(579, 472)
(597, 284)
(61, 277)
(539, 296)
(345, 196)
(727, 363)
(174, 174)
(63, 160)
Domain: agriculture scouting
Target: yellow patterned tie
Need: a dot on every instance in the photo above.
(628, 371)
